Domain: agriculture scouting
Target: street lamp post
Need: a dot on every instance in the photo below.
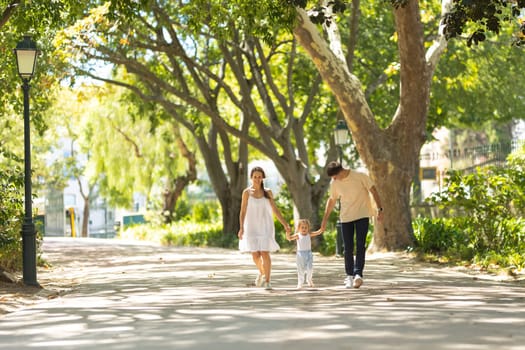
(26, 53)
(341, 136)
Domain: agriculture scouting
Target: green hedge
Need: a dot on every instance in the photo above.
(483, 216)
(11, 218)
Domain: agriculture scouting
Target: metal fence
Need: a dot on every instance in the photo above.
(102, 231)
(467, 159)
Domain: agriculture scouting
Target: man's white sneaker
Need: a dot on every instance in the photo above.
(349, 282)
(267, 285)
(358, 281)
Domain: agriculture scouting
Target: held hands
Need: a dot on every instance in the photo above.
(321, 229)
(288, 230)
(292, 237)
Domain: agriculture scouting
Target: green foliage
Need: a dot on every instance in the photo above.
(454, 240)
(497, 260)
(264, 18)
(182, 209)
(480, 17)
(442, 236)
(41, 20)
(207, 211)
(11, 218)
(486, 199)
(485, 209)
(478, 86)
(182, 233)
(117, 137)
(198, 211)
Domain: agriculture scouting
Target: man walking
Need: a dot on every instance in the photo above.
(353, 189)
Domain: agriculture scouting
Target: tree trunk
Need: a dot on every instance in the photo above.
(230, 216)
(173, 192)
(176, 186)
(227, 187)
(85, 218)
(395, 231)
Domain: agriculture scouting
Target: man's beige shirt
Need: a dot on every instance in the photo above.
(354, 194)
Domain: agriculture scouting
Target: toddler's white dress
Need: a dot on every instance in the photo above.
(259, 229)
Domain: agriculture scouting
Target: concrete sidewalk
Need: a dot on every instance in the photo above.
(125, 295)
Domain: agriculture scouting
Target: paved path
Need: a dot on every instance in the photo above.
(143, 296)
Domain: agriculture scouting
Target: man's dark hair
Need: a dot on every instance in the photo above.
(333, 168)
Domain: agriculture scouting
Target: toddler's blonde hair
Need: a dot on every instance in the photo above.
(304, 222)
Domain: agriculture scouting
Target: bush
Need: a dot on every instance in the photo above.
(442, 237)
(11, 218)
(182, 209)
(186, 233)
(182, 233)
(437, 235)
(206, 211)
(485, 212)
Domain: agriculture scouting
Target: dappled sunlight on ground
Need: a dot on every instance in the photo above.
(137, 296)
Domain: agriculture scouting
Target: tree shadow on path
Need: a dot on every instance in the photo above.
(138, 296)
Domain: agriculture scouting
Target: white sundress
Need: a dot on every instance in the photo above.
(259, 229)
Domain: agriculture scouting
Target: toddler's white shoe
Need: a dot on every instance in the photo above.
(310, 283)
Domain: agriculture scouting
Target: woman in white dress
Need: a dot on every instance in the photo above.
(257, 230)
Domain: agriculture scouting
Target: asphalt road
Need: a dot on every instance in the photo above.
(124, 295)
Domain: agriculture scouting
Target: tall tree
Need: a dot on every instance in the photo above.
(116, 137)
(391, 153)
(218, 87)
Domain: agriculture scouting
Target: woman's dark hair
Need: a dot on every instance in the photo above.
(260, 170)
(333, 168)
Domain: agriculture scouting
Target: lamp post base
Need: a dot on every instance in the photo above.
(29, 253)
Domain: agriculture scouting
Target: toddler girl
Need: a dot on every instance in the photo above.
(305, 256)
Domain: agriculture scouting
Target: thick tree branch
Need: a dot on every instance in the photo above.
(351, 98)
(439, 45)
(354, 33)
(8, 12)
(258, 50)
(414, 80)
